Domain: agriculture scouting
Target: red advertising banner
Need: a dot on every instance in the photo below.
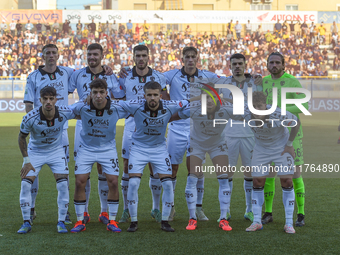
(34, 16)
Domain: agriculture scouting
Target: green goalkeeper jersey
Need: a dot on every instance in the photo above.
(285, 81)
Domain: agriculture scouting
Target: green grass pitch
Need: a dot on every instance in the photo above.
(319, 236)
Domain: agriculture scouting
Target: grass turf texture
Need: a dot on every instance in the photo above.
(320, 235)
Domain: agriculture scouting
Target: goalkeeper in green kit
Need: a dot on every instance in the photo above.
(279, 79)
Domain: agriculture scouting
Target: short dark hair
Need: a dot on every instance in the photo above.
(140, 48)
(189, 48)
(48, 91)
(50, 45)
(238, 55)
(98, 84)
(95, 46)
(275, 53)
(152, 85)
(259, 97)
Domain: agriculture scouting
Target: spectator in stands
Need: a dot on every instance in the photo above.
(336, 63)
(29, 26)
(92, 27)
(12, 27)
(334, 28)
(66, 27)
(188, 30)
(238, 29)
(337, 48)
(79, 26)
(248, 28)
(146, 28)
(278, 28)
(129, 27)
(18, 27)
(3, 27)
(55, 28)
(322, 34)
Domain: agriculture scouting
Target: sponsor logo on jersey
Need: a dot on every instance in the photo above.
(153, 122)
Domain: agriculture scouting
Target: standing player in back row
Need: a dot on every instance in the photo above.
(54, 76)
(80, 80)
(239, 138)
(179, 82)
(133, 83)
(280, 79)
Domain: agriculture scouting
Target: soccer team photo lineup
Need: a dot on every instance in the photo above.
(134, 105)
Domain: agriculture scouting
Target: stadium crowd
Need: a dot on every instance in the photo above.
(21, 46)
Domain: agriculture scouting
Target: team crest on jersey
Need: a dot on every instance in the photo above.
(93, 77)
(142, 79)
(52, 76)
(282, 83)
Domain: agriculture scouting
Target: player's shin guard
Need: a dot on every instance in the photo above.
(63, 198)
(299, 188)
(103, 191)
(156, 191)
(25, 198)
(125, 186)
(168, 197)
(288, 199)
(257, 201)
(132, 196)
(87, 193)
(174, 181)
(200, 190)
(248, 188)
(231, 185)
(34, 191)
(224, 196)
(79, 206)
(269, 192)
(191, 195)
(113, 208)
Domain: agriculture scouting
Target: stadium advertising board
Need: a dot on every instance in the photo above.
(17, 105)
(171, 17)
(328, 17)
(34, 16)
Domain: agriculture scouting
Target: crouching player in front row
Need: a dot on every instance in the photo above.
(97, 144)
(273, 144)
(45, 124)
(148, 146)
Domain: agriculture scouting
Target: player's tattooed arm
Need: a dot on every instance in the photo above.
(28, 107)
(23, 148)
(23, 144)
